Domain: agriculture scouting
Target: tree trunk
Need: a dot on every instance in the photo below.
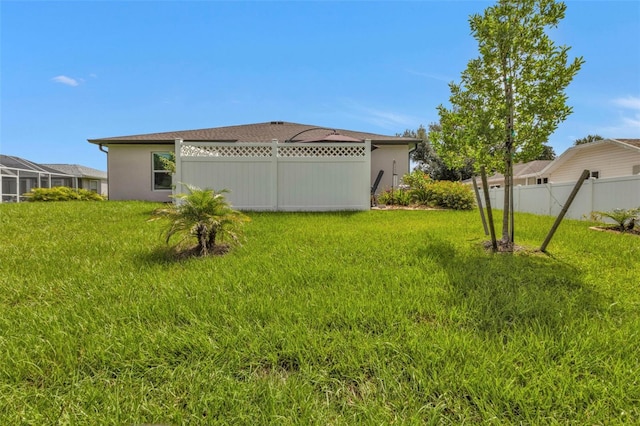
(211, 241)
(201, 235)
(507, 199)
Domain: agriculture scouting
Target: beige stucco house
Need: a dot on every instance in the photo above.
(135, 171)
(87, 178)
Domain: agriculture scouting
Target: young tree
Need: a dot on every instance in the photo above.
(510, 98)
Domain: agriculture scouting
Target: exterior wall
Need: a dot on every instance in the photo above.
(382, 159)
(608, 159)
(85, 183)
(130, 172)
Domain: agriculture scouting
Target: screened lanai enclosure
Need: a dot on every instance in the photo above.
(20, 176)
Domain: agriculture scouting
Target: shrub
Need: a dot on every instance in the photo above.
(416, 179)
(419, 187)
(62, 193)
(452, 195)
(446, 194)
(625, 219)
(397, 197)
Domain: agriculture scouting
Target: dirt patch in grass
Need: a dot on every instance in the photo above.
(414, 207)
(634, 231)
(508, 247)
(181, 252)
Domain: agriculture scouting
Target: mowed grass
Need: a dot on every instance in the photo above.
(330, 318)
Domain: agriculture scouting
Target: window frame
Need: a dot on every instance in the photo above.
(96, 183)
(164, 171)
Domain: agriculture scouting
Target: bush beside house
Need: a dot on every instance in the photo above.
(62, 193)
(419, 189)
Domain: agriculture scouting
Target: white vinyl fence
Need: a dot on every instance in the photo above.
(594, 195)
(279, 176)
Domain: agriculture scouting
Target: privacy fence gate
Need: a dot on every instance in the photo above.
(279, 176)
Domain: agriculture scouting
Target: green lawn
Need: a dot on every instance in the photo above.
(332, 318)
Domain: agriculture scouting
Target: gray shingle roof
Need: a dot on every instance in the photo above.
(13, 162)
(78, 170)
(259, 132)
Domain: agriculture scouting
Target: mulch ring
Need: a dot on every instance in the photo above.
(508, 247)
(615, 230)
(395, 207)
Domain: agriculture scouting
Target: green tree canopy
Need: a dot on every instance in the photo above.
(547, 153)
(428, 160)
(588, 139)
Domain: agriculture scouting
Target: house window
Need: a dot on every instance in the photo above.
(161, 175)
(93, 186)
(61, 182)
(541, 181)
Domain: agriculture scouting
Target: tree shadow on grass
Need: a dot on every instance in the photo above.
(167, 254)
(500, 292)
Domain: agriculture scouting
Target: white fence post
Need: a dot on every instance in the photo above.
(274, 174)
(596, 195)
(177, 184)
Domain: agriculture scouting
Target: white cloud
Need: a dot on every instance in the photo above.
(630, 102)
(632, 122)
(381, 118)
(63, 79)
(438, 77)
(628, 123)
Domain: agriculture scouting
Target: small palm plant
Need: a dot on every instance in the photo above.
(625, 219)
(204, 214)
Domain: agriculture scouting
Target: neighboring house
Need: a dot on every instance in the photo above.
(20, 176)
(136, 173)
(523, 174)
(607, 158)
(614, 168)
(88, 178)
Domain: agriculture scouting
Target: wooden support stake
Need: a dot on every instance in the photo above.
(585, 175)
(485, 189)
(479, 201)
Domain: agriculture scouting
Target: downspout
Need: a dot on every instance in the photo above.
(411, 150)
(101, 148)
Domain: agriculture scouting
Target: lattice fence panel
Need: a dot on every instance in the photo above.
(225, 151)
(322, 151)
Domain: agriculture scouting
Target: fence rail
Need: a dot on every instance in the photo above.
(595, 195)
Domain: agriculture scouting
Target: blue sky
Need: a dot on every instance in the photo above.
(76, 70)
